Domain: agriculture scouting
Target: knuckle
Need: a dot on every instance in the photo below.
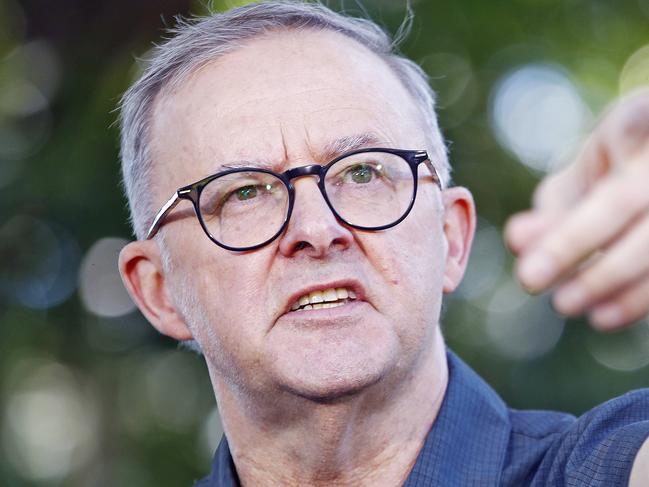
(603, 278)
(626, 194)
(634, 303)
(634, 123)
(565, 247)
(618, 269)
(631, 310)
(630, 117)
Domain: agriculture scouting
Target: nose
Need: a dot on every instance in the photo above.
(313, 229)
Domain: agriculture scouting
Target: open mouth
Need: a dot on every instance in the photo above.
(327, 298)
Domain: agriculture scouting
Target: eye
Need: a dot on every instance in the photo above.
(233, 195)
(245, 193)
(361, 173)
(230, 199)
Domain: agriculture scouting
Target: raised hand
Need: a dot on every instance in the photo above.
(587, 234)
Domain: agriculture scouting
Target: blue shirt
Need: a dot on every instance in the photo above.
(477, 440)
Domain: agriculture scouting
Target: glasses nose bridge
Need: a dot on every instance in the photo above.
(298, 172)
(302, 171)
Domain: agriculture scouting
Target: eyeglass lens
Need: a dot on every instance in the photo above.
(367, 190)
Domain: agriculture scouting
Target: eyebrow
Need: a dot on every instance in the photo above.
(350, 143)
(248, 164)
(331, 150)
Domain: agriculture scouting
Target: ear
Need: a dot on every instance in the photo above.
(459, 228)
(140, 265)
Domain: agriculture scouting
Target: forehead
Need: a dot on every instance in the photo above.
(279, 98)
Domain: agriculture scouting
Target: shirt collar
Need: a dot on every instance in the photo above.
(468, 441)
(466, 445)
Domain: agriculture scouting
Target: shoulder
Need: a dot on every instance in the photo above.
(596, 449)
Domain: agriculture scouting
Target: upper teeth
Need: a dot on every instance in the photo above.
(319, 299)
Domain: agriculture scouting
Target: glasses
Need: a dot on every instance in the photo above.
(246, 208)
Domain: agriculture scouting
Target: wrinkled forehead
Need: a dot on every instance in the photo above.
(283, 97)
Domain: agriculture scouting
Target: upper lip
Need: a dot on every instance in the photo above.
(352, 284)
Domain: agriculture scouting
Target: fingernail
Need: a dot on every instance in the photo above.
(607, 316)
(537, 270)
(570, 299)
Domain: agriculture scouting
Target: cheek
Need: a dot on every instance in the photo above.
(231, 299)
(228, 322)
(424, 248)
(412, 261)
(222, 296)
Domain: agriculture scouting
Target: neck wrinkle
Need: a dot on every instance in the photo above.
(355, 442)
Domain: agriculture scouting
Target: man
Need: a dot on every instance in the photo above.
(307, 243)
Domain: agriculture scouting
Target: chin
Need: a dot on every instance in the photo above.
(327, 390)
(327, 375)
(329, 363)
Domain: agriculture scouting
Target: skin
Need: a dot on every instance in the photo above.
(586, 238)
(640, 472)
(587, 234)
(322, 401)
(307, 398)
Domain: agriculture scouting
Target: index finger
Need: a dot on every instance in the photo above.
(598, 219)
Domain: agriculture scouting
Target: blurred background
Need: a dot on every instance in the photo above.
(90, 395)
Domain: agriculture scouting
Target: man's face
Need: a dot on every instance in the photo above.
(287, 100)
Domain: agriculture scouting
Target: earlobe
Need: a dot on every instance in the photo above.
(140, 266)
(459, 228)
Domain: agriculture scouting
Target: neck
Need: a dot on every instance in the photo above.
(370, 439)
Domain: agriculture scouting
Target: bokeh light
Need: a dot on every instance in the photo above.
(40, 67)
(536, 113)
(100, 285)
(29, 79)
(171, 387)
(162, 390)
(117, 334)
(624, 351)
(486, 262)
(50, 425)
(452, 78)
(40, 261)
(211, 435)
(521, 327)
(635, 73)
(516, 86)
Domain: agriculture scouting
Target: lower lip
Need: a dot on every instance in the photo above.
(327, 313)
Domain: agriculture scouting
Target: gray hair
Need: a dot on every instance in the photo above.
(194, 43)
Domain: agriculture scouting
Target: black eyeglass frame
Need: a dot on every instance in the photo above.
(192, 192)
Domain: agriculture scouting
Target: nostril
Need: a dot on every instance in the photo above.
(302, 245)
(339, 242)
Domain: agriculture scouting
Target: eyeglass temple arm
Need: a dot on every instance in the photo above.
(434, 172)
(157, 221)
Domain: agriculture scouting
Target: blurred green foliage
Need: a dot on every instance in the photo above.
(91, 396)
